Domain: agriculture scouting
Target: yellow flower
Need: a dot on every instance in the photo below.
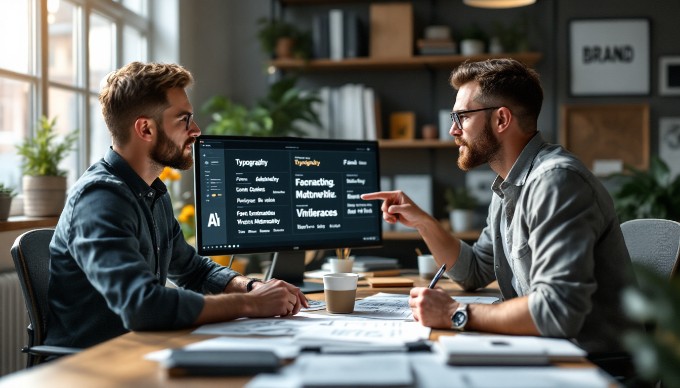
(187, 214)
(169, 174)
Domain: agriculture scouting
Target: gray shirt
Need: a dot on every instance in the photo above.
(567, 252)
(116, 243)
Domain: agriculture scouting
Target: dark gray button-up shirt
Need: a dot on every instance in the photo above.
(567, 252)
(116, 243)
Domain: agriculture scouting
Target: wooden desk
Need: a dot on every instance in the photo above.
(120, 361)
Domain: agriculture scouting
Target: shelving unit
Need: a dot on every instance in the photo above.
(420, 62)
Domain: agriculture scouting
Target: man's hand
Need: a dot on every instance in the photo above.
(275, 297)
(432, 307)
(397, 206)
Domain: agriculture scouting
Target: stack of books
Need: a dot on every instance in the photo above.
(436, 47)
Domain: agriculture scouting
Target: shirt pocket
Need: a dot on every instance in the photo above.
(521, 259)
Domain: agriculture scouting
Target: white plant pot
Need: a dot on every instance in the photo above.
(44, 196)
(461, 220)
(471, 47)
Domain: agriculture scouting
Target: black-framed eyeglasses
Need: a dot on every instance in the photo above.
(455, 116)
(189, 118)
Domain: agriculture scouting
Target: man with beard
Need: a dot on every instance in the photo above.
(552, 239)
(117, 241)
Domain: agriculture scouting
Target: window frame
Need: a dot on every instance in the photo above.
(37, 75)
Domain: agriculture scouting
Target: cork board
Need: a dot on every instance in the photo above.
(607, 132)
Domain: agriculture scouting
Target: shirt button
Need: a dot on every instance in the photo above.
(150, 194)
(498, 267)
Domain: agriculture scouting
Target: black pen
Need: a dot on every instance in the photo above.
(437, 276)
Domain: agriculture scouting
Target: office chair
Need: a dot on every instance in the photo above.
(654, 243)
(31, 256)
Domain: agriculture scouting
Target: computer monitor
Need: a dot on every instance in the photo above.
(285, 195)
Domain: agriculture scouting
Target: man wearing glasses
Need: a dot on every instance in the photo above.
(117, 241)
(552, 239)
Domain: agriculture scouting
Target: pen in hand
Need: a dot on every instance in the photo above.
(437, 276)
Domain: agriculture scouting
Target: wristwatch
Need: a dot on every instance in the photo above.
(249, 286)
(460, 317)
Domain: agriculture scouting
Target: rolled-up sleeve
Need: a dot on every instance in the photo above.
(563, 216)
(474, 267)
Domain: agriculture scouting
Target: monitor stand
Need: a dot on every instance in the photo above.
(290, 267)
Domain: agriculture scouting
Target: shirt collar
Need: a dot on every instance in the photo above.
(132, 179)
(525, 162)
(522, 166)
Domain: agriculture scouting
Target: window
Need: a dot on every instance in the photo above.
(60, 77)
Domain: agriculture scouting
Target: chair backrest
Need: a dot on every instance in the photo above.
(654, 243)
(31, 256)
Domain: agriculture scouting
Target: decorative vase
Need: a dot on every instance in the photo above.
(44, 196)
(461, 220)
(5, 205)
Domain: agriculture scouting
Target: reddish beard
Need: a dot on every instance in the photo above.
(483, 149)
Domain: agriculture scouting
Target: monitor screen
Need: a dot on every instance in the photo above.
(266, 194)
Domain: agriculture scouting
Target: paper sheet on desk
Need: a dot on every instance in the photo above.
(262, 326)
(382, 370)
(362, 332)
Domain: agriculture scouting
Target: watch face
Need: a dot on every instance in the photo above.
(459, 318)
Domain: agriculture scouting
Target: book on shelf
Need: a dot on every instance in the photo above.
(355, 37)
(320, 38)
(349, 112)
(436, 46)
(437, 51)
(336, 34)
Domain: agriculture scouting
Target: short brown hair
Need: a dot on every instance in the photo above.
(505, 82)
(138, 89)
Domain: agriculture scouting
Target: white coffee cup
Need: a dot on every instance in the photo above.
(340, 290)
(341, 265)
(427, 267)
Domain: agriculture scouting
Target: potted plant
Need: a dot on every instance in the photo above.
(461, 204)
(44, 184)
(6, 195)
(283, 40)
(280, 113)
(648, 194)
(473, 41)
(654, 302)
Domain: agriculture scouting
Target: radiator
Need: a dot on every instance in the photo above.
(13, 322)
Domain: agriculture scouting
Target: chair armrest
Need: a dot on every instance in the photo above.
(46, 350)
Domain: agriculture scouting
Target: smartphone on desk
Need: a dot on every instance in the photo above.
(221, 362)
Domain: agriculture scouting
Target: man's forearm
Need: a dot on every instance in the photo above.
(443, 246)
(511, 317)
(237, 284)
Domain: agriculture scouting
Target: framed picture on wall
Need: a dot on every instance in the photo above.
(669, 76)
(609, 57)
(607, 135)
(669, 143)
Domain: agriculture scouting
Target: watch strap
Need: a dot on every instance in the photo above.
(249, 285)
